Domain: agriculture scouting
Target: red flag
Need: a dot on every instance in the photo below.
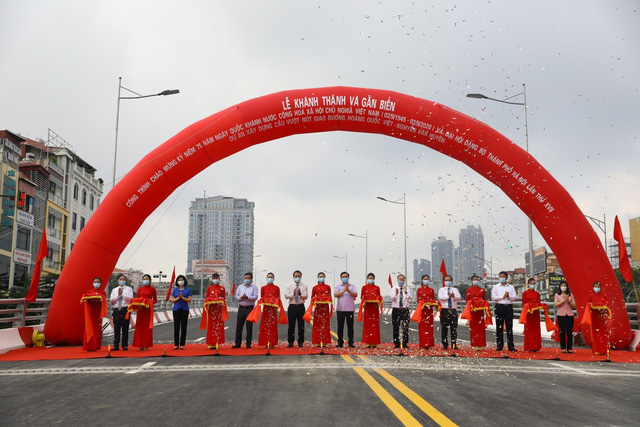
(173, 279)
(35, 280)
(443, 270)
(390, 282)
(233, 290)
(625, 267)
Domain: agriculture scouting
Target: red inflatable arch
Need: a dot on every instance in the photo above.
(278, 115)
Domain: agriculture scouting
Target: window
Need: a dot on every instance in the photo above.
(23, 239)
(74, 220)
(91, 202)
(81, 223)
(84, 197)
(75, 191)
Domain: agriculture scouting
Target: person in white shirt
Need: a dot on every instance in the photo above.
(504, 294)
(120, 297)
(400, 300)
(449, 297)
(297, 294)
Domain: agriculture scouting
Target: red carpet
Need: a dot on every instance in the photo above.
(192, 350)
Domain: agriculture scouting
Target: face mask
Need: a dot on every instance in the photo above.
(345, 280)
(215, 281)
(401, 284)
(180, 282)
(563, 288)
(320, 279)
(596, 290)
(425, 282)
(370, 281)
(447, 283)
(297, 279)
(96, 285)
(145, 282)
(122, 282)
(476, 282)
(532, 287)
(247, 281)
(503, 280)
(269, 279)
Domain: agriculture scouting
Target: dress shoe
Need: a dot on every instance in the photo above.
(125, 348)
(248, 345)
(570, 351)
(396, 345)
(498, 348)
(175, 348)
(301, 344)
(236, 346)
(513, 349)
(339, 346)
(115, 349)
(351, 345)
(290, 345)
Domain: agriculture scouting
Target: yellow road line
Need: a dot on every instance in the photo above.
(394, 406)
(425, 406)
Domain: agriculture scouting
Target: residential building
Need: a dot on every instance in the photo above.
(420, 267)
(221, 228)
(471, 252)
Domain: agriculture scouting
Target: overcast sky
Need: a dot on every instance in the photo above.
(579, 59)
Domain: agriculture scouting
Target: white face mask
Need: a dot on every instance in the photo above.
(596, 290)
(532, 287)
(145, 282)
(297, 279)
(563, 288)
(96, 285)
(476, 282)
(425, 282)
(370, 281)
(215, 281)
(122, 282)
(180, 282)
(503, 280)
(320, 279)
(447, 283)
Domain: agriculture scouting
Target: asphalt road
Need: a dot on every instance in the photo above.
(316, 390)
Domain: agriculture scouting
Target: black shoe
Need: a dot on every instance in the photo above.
(175, 348)
(397, 345)
(234, 346)
(444, 347)
(569, 351)
(513, 349)
(290, 345)
(301, 344)
(351, 345)
(125, 348)
(498, 348)
(339, 346)
(248, 345)
(115, 349)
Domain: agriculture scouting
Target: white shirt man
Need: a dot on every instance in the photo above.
(449, 297)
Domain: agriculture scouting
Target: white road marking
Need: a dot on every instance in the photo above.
(571, 368)
(141, 368)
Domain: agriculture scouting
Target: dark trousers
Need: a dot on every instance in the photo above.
(504, 315)
(180, 318)
(449, 320)
(566, 332)
(120, 324)
(400, 319)
(294, 314)
(243, 312)
(342, 315)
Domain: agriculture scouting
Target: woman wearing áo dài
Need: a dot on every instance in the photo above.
(530, 316)
(478, 314)
(215, 312)
(369, 313)
(425, 312)
(143, 303)
(95, 309)
(322, 307)
(270, 303)
(596, 317)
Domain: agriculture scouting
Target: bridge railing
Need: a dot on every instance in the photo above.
(13, 313)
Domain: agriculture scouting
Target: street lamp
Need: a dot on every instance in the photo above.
(488, 263)
(160, 276)
(346, 261)
(404, 204)
(366, 249)
(138, 96)
(526, 146)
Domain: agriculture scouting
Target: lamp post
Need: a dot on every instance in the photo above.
(602, 225)
(346, 261)
(526, 146)
(138, 96)
(404, 204)
(366, 249)
(488, 263)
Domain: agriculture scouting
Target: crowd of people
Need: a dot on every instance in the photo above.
(265, 306)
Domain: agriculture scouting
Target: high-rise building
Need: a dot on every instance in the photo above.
(221, 228)
(634, 240)
(420, 267)
(441, 249)
(471, 253)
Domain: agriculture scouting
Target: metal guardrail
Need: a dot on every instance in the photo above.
(13, 314)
